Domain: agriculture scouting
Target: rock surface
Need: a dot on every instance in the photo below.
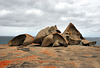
(49, 57)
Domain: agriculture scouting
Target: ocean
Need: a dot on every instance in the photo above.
(5, 39)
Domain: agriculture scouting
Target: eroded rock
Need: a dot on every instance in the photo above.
(61, 38)
(88, 43)
(47, 40)
(23, 39)
(45, 32)
(56, 39)
(74, 37)
(52, 36)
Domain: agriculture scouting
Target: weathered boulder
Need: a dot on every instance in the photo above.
(53, 29)
(23, 39)
(45, 32)
(47, 40)
(61, 38)
(88, 43)
(41, 34)
(74, 37)
(56, 39)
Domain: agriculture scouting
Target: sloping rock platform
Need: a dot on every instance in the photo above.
(49, 57)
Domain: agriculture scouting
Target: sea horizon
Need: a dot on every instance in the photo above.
(5, 39)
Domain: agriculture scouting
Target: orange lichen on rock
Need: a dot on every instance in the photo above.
(16, 55)
(32, 48)
(72, 63)
(97, 50)
(4, 63)
(16, 51)
(3, 54)
(17, 60)
(47, 67)
(42, 61)
(47, 52)
(29, 58)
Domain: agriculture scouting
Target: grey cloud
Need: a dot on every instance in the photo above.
(78, 10)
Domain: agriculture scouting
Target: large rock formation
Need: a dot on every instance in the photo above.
(45, 32)
(23, 39)
(51, 36)
(74, 37)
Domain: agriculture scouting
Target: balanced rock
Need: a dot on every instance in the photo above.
(23, 39)
(45, 32)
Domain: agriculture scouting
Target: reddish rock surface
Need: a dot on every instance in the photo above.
(49, 57)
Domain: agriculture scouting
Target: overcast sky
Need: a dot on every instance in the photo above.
(30, 16)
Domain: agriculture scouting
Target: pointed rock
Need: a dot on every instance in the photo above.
(74, 37)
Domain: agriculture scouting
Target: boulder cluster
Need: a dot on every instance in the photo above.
(51, 36)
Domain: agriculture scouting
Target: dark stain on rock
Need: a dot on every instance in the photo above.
(28, 65)
(24, 49)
